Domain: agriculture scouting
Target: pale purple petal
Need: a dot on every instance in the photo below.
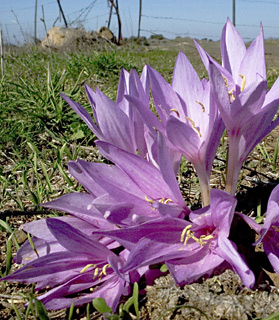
(253, 63)
(233, 49)
(230, 254)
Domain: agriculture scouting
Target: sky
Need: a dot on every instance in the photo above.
(196, 18)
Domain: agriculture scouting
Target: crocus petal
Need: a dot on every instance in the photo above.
(232, 49)
(220, 91)
(113, 122)
(248, 103)
(164, 96)
(272, 253)
(129, 237)
(230, 254)
(143, 173)
(77, 204)
(186, 81)
(253, 63)
(111, 291)
(162, 247)
(147, 116)
(85, 116)
(193, 270)
(166, 169)
(63, 265)
(123, 85)
(75, 241)
(222, 210)
(183, 137)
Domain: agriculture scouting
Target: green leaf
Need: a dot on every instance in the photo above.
(77, 135)
(43, 315)
(164, 268)
(100, 305)
(71, 311)
(274, 316)
(9, 256)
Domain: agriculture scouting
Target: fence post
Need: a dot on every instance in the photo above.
(140, 10)
(62, 12)
(2, 53)
(35, 22)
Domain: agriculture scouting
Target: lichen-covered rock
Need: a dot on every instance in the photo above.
(219, 297)
(61, 37)
(106, 33)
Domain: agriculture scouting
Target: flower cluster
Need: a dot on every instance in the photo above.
(133, 215)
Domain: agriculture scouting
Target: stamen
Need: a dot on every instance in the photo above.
(226, 81)
(96, 271)
(184, 232)
(243, 83)
(205, 238)
(165, 201)
(104, 271)
(190, 234)
(231, 94)
(168, 200)
(176, 111)
(148, 200)
(203, 108)
(87, 267)
(193, 126)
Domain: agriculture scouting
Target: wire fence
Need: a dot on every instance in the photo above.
(95, 14)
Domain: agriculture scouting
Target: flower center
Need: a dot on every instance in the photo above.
(187, 234)
(98, 272)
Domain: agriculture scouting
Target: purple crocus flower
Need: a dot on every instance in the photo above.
(248, 118)
(269, 231)
(127, 193)
(191, 249)
(118, 122)
(240, 66)
(190, 117)
(75, 267)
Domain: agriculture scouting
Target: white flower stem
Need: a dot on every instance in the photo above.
(233, 167)
(204, 185)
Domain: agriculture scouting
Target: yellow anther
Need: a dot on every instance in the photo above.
(87, 267)
(165, 201)
(190, 234)
(148, 200)
(104, 270)
(243, 83)
(203, 108)
(226, 82)
(168, 200)
(205, 238)
(194, 126)
(96, 271)
(184, 232)
(176, 111)
(231, 94)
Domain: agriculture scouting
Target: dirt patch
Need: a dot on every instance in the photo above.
(220, 297)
